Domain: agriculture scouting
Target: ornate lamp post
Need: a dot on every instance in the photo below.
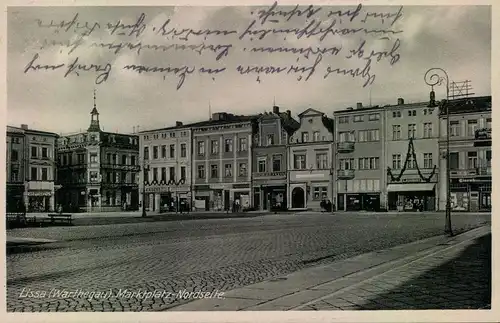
(145, 168)
(436, 76)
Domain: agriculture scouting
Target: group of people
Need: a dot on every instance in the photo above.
(326, 205)
(413, 204)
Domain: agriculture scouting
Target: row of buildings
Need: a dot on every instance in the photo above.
(363, 158)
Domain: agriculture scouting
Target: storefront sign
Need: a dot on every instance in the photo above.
(39, 193)
(474, 180)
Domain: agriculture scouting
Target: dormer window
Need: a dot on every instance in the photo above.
(270, 139)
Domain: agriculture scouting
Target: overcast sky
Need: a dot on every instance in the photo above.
(456, 38)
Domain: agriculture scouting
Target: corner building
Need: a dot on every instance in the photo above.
(470, 154)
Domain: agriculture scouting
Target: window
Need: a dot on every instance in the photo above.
(412, 128)
(471, 127)
(316, 136)
(214, 172)
(427, 130)
(14, 155)
(320, 193)
(346, 163)
(201, 171)
(14, 175)
(396, 114)
(488, 124)
(44, 174)
(164, 174)
(228, 170)
(243, 169)
(34, 152)
(93, 158)
(346, 136)
(454, 129)
(412, 164)
(454, 160)
(368, 135)
(124, 159)
(172, 151)
(183, 172)
(261, 164)
(183, 150)
(146, 174)
(45, 152)
(270, 139)
(146, 153)
(299, 161)
(472, 159)
(34, 174)
(358, 119)
(368, 163)
(412, 113)
(163, 151)
(93, 176)
(155, 152)
(108, 156)
(305, 136)
(228, 146)
(201, 148)
(132, 160)
(488, 158)
(124, 177)
(396, 161)
(427, 160)
(243, 144)
(155, 174)
(344, 119)
(396, 132)
(172, 173)
(374, 116)
(321, 161)
(276, 163)
(214, 147)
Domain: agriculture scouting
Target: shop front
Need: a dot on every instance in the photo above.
(39, 201)
(361, 202)
(470, 194)
(202, 198)
(14, 198)
(412, 197)
(271, 197)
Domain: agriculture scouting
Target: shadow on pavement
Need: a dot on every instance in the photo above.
(461, 283)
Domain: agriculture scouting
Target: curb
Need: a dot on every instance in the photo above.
(309, 285)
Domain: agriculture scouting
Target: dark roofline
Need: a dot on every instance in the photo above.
(34, 131)
(357, 110)
(118, 133)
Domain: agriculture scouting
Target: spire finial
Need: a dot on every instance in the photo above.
(274, 101)
(94, 100)
(209, 110)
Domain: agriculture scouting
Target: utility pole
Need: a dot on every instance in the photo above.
(145, 168)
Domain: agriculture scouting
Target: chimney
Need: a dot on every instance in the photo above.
(219, 116)
(276, 109)
(359, 105)
(178, 123)
(401, 101)
(24, 126)
(289, 113)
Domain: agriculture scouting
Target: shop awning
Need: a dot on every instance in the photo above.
(411, 187)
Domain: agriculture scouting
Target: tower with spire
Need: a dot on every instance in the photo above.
(94, 118)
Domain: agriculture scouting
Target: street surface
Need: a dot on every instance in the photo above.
(196, 255)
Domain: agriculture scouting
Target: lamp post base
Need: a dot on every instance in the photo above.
(447, 227)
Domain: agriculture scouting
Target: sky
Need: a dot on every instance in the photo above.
(455, 38)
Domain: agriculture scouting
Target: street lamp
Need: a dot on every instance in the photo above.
(436, 76)
(145, 168)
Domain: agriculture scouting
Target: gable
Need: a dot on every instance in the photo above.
(310, 113)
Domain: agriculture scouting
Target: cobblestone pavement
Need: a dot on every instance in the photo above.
(202, 255)
(455, 279)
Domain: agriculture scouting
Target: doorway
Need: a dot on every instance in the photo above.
(298, 201)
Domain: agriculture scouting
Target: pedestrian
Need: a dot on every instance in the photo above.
(322, 205)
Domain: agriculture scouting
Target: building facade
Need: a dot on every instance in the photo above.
(269, 161)
(15, 169)
(30, 169)
(310, 166)
(412, 155)
(470, 154)
(97, 170)
(221, 161)
(360, 165)
(166, 157)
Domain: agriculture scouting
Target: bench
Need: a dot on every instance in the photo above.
(64, 218)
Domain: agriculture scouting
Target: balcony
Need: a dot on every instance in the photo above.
(484, 171)
(345, 147)
(482, 134)
(345, 174)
